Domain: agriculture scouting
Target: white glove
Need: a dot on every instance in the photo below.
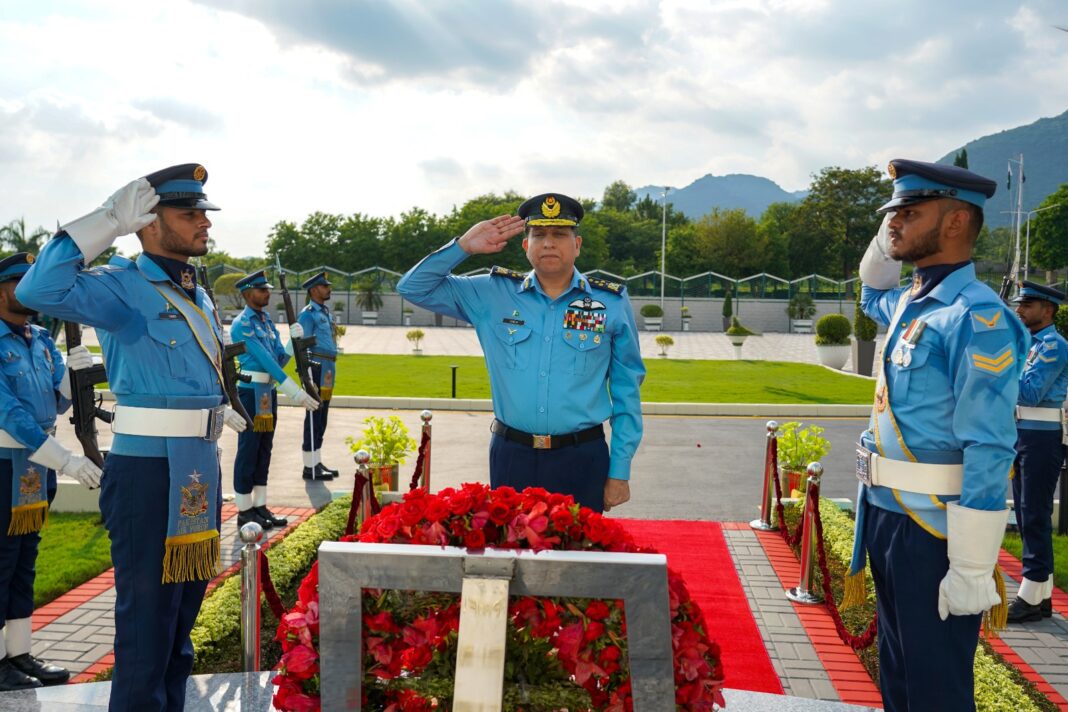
(227, 340)
(877, 269)
(126, 211)
(232, 419)
(79, 357)
(974, 541)
(291, 388)
(56, 457)
(296, 331)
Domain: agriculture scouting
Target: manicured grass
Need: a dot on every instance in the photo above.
(666, 381)
(74, 548)
(1014, 546)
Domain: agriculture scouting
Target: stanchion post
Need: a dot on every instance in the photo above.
(426, 416)
(767, 492)
(250, 535)
(454, 380)
(803, 592)
(362, 458)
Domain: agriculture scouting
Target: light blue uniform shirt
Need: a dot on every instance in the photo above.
(29, 399)
(263, 345)
(317, 321)
(546, 376)
(1044, 383)
(154, 359)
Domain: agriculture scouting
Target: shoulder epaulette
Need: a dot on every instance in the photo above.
(613, 287)
(496, 271)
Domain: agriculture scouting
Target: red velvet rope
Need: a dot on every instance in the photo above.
(419, 462)
(771, 461)
(357, 497)
(269, 591)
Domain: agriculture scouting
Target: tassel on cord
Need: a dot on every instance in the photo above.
(997, 618)
(196, 560)
(326, 393)
(28, 518)
(263, 423)
(856, 590)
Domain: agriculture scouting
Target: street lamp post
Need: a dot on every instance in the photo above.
(663, 248)
(1027, 248)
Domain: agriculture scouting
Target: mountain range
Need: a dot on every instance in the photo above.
(1044, 145)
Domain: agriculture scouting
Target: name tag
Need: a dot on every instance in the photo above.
(169, 315)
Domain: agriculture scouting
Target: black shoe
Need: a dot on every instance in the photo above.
(253, 515)
(324, 473)
(11, 678)
(47, 673)
(330, 471)
(313, 473)
(271, 516)
(1020, 611)
(1047, 607)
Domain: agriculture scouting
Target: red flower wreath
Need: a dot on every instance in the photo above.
(406, 639)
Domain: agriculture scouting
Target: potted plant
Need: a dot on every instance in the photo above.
(369, 299)
(653, 316)
(798, 447)
(415, 336)
(280, 307)
(737, 334)
(864, 345)
(407, 312)
(801, 309)
(685, 313)
(664, 342)
(832, 340)
(728, 310)
(386, 440)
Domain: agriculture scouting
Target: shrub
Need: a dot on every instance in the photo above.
(652, 310)
(832, 330)
(863, 325)
(736, 328)
(385, 440)
(664, 342)
(368, 294)
(801, 306)
(339, 306)
(415, 336)
(798, 446)
(685, 311)
(226, 290)
(728, 310)
(1060, 320)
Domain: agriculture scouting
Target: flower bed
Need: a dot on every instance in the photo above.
(562, 653)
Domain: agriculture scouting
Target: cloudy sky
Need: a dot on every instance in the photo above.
(375, 107)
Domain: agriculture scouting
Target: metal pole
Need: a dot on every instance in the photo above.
(454, 380)
(663, 250)
(803, 593)
(362, 457)
(1062, 509)
(426, 416)
(250, 534)
(767, 494)
(1027, 248)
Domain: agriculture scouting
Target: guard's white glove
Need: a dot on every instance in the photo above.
(234, 421)
(291, 388)
(126, 211)
(296, 331)
(56, 457)
(877, 269)
(79, 357)
(974, 541)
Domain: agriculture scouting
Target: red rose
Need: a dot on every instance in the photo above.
(416, 658)
(506, 495)
(300, 663)
(411, 511)
(386, 526)
(499, 512)
(597, 610)
(309, 587)
(561, 518)
(475, 539)
(436, 510)
(594, 631)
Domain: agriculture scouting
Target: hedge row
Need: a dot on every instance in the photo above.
(999, 687)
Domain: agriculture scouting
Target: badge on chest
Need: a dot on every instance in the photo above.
(902, 355)
(585, 314)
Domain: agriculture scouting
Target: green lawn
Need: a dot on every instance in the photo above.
(666, 381)
(74, 548)
(1014, 546)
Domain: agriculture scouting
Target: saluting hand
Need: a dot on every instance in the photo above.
(491, 236)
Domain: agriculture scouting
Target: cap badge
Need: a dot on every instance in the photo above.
(30, 259)
(892, 171)
(187, 280)
(550, 208)
(199, 173)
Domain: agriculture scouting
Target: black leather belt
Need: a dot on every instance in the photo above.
(324, 357)
(547, 442)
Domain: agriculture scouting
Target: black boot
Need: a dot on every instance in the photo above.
(253, 515)
(330, 471)
(11, 678)
(47, 673)
(271, 516)
(1020, 611)
(322, 473)
(314, 473)
(1047, 607)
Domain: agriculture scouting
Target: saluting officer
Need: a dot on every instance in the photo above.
(935, 459)
(262, 361)
(35, 386)
(561, 349)
(315, 320)
(1039, 451)
(160, 494)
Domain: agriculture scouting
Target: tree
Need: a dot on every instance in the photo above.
(840, 209)
(15, 236)
(961, 159)
(1049, 231)
(727, 242)
(618, 196)
(226, 290)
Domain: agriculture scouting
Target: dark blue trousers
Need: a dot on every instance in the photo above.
(153, 653)
(18, 554)
(580, 470)
(253, 458)
(925, 663)
(1039, 455)
(315, 420)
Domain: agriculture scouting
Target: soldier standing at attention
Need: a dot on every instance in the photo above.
(1039, 451)
(160, 493)
(935, 459)
(262, 361)
(35, 386)
(561, 348)
(315, 320)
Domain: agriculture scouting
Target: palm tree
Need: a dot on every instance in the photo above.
(14, 235)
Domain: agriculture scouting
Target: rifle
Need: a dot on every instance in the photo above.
(229, 352)
(301, 345)
(85, 407)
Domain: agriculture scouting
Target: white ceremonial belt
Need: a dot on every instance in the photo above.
(206, 423)
(1050, 415)
(257, 376)
(921, 477)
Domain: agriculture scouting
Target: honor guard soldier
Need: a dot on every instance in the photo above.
(34, 387)
(935, 459)
(262, 362)
(160, 492)
(1039, 450)
(561, 349)
(315, 320)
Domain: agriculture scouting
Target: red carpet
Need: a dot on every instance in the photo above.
(698, 551)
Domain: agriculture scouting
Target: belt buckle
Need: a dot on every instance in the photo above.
(216, 421)
(543, 442)
(864, 465)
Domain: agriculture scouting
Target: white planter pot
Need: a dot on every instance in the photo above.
(417, 352)
(736, 341)
(407, 319)
(833, 356)
(652, 323)
(370, 318)
(685, 324)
